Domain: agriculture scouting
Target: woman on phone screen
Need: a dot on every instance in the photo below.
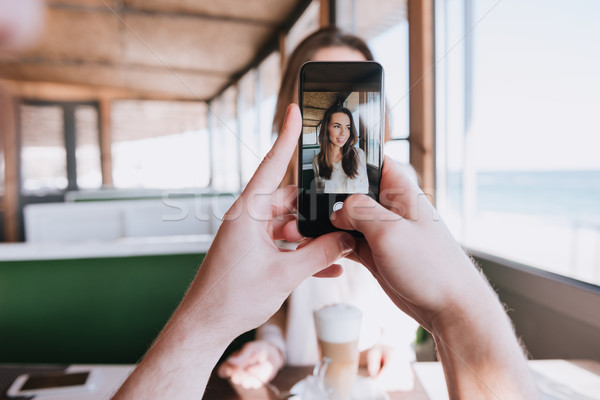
(340, 166)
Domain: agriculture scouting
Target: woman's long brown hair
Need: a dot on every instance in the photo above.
(325, 37)
(349, 154)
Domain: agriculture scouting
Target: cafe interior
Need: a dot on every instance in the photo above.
(129, 127)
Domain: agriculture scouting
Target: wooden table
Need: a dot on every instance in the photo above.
(221, 389)
(556, 379)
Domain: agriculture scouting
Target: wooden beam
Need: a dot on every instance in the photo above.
(8, 135)
(105, 142)
(240, 13)
(325, 13)
(422, 98)
(53, 91)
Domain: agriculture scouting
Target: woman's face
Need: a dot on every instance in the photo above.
(333, 53)
(338, 53)
(339, 129)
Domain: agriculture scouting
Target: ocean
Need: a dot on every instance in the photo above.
(567, 196)
(545, 219)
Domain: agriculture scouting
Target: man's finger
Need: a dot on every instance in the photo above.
(398, 192)
(284, 200)
(243, 358)
(374, 361)
(271, 170)
(224, 370)
(318, 254)
(333, 271)
(363, 214)
(280, 229)
(290, 232)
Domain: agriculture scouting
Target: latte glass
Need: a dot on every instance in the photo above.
(338, 329)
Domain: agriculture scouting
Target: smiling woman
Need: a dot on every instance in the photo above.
(340, 166)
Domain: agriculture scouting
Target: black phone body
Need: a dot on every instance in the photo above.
(350, 95)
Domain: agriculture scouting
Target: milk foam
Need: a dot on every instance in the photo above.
(338, 323)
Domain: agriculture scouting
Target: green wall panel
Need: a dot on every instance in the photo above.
(101, 310)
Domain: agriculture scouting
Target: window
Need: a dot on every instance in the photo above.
(518, 132)
(372, 109)
(249, 151)
(306, 24)
(43, 148)
(60, 147)
(240, 121)
(269, 76)
(87, 151)
(226, 142)
(159, 144)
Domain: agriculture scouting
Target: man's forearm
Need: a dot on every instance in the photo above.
(179, 363)
(479, 352)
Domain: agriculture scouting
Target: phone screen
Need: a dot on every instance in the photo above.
(340, 149)
(55, 380)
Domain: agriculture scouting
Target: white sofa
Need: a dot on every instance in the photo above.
(117, 219)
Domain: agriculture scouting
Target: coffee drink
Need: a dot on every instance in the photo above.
(338, 329)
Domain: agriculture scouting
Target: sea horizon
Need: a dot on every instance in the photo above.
(569, 195)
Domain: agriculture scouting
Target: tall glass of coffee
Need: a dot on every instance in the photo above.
(338, 329)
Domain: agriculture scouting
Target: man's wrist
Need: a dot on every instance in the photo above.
(479, 350)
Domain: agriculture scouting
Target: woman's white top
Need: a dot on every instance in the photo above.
(340, 182)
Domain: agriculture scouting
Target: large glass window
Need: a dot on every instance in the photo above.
(159, 144)
(518, 130)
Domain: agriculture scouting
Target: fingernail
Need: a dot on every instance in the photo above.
(289, 109)
(347, 243)
(333, 215)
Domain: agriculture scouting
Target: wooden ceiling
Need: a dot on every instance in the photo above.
(181, 49)
(315, 105)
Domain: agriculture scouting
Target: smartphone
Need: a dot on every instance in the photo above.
(340, 150)
(53, 383)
